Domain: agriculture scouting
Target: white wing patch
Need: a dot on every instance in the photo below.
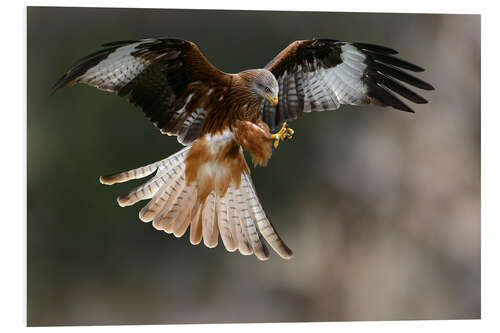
(118, 69)
(325, 89)
(316, 88)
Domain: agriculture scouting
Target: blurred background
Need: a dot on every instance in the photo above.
(381, 207)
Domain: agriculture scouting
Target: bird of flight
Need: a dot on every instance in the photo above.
(206, 186)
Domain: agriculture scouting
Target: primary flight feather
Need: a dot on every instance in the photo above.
(206, 186)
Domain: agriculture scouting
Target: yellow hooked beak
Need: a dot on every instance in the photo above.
(272, 99)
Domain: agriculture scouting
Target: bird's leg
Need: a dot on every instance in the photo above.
(283, 134)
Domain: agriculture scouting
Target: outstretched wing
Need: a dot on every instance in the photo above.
(322, 74)
(170, 79)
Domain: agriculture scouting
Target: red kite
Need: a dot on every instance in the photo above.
(207, 186)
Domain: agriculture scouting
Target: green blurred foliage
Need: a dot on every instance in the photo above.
(381, 208)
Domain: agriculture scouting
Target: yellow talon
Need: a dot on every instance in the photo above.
(283, 134)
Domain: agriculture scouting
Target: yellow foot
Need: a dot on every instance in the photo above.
(283, 134)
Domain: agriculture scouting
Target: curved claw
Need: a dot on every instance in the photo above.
(283, 134)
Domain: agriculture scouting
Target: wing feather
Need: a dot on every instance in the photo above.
(173, 216)
(151, 187)
(209, 222)
(168, 78)
(234, 217)
(227, 234)
(327, 73)
(249, 228)
(266, 229)
(195, 231)
(174, 181)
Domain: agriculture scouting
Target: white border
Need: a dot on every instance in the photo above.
(13, 197)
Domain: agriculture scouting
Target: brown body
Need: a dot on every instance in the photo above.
(234, 102)
(215, 159)
(211, 168)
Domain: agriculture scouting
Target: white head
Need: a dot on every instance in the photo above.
(265, 85)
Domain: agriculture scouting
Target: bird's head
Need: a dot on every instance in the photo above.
(265, 85)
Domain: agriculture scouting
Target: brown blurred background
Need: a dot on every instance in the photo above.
(381, 207)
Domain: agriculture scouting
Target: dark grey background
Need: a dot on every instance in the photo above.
(381, 207)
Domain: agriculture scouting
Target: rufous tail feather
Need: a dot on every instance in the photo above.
(174, 206)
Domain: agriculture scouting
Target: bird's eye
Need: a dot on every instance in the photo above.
(268, 90)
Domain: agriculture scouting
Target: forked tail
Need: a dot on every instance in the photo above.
(174, 206)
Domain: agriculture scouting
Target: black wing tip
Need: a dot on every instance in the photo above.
(403, 107)
(417, 68)
(67, 79)
(375, 48)
(385, 55)
(428, 86)
(82, 65)
(61, 83)
(383, 95)
(382, 90)
(393, 85)
(394, 61)
(398, 74)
